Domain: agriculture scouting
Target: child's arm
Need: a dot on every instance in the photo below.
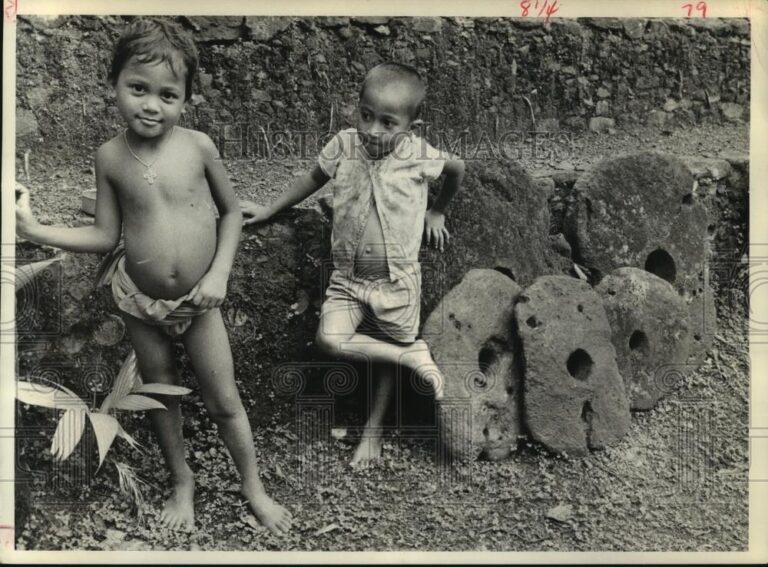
(210, 291)
(102, 236)
(434, 221)
(302, 188)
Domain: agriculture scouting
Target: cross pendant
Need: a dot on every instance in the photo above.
(150, 176)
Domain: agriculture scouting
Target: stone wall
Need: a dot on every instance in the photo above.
(484, 75)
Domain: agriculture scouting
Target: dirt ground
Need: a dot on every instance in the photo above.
(676, 482)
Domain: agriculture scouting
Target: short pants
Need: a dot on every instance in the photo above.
(390, 308)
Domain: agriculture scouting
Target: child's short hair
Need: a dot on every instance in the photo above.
(398, 72)
(154, 39)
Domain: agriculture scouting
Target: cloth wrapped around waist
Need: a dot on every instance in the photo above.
(173, 315)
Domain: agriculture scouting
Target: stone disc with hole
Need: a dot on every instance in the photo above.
(470, 335)
(639, 210)
(573, 396)
(650, 330)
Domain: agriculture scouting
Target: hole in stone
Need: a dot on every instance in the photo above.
(580, 308)
(660, 263)
(688, 199)
(486, 358)
(580, 364)
(711, 229)
(638, 342)
(611, 291)
(532, 322)
(697, 336)
(506, 271)
(456, 323)
(586, 412)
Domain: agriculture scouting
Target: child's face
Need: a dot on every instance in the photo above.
(150, 97)
(384, 116)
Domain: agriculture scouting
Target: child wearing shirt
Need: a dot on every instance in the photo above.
(380, 170)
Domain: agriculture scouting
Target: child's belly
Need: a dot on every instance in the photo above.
(168, 252)
(371, 257)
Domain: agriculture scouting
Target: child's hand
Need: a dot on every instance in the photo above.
(434, 229)
(24, 217)
(253, 213)
(210, 291)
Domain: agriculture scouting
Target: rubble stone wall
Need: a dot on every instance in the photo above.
(485, 75)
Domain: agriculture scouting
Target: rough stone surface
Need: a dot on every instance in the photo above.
(667, 234)
(657, 118)
(262, 28)
(639, 210)
(712, 168)
(500, 220)
(601, 124)
(574, 398)
(650, 332)
(307, 93)
(732, 111)
(470, 335)
(216, 28)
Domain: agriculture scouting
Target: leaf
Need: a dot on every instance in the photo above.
(166, 389)
(26, 274)
(127, 379)
(68, 433)
(131, 441)
(579, 272)
(56, 397)
(560, 513)
(137, 403)
(326, 529)
(105, 427)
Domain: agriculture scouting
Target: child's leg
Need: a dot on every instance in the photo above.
(338, 337)
(154, 355)
(383, 381)
(209, 352)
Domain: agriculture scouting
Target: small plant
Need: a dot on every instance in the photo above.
(127, 394)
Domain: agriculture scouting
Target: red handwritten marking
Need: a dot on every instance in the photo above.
(10, 9)
(542, 8)
(700, 7)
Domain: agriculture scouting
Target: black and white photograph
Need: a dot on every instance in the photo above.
(329, 281)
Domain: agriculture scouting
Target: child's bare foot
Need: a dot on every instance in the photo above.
(420, 359)
(179, 510)
(369, 448)
(273, 516)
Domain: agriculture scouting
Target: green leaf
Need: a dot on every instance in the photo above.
(68, 433)
(137, 403)
(56, 397)
(166, 389)
(26, 274)
(105, 427)
(127, 379)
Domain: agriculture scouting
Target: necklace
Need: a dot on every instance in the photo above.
(150, 174)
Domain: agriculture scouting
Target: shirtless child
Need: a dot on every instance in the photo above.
(380, 171)
(161, 184)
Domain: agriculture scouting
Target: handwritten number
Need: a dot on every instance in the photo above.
(542, 8)
(700, 7)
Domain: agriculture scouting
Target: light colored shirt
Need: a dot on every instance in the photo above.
(396, 184)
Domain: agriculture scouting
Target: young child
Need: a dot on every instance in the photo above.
(380, 171)
(159, 183)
